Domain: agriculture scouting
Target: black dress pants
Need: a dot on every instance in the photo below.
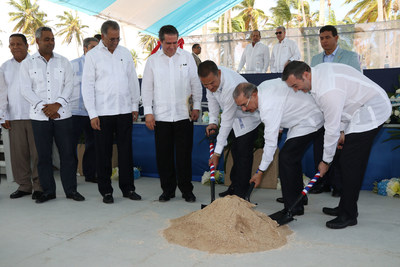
(242, 154)
(174, 143)
(353, 163)
(61, 131)
(290, 169)
(82, 124)
(121, 126)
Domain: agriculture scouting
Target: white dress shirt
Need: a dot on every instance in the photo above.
(3, 97)
(18, 107)
(45, 82)
(76, 103)
(350, 101)
(109, 83)
(167, 84)
(282, 52)
(256, 58)
(232, 116)
(281, 107)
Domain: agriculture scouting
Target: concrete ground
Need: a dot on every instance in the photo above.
(63, 232)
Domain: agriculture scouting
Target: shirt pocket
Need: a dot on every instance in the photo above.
(59, 74)
(36, 76)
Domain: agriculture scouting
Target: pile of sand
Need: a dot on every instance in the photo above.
(228, 225)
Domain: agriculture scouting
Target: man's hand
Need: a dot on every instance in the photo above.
(341, 141)
(195, 114)
(257, 177)
(6, 125)
(323, 168)
(55, 116)
(95, 123)
(211, 128)
(135, 115)
(150, 121)
(50, 110)
(214, 160)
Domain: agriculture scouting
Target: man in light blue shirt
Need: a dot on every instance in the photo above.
(80, 116)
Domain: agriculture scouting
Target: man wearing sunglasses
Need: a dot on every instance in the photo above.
(220, 83)
(284, 51)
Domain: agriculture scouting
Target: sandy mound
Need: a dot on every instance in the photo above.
(228, 225)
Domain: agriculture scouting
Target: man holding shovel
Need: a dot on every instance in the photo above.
(220, 83)
(354, 110)
(281, 107)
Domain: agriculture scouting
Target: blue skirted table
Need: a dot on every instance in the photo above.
(384, 162)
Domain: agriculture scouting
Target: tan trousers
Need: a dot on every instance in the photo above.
(24, 157)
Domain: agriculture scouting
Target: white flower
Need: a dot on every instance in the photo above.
(396, 113)
(398, 91)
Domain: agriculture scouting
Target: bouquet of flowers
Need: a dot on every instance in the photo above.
(219, 177)
(388, 187)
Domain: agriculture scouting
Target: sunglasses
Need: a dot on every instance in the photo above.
(278, 33)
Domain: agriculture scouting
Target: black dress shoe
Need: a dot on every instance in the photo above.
(18, 194)
(277, 215)
(228, 192)
(320, 188)
(305, 200)
(76, 196)
(132, 195)
(166, 197)
(331, 211)
(45, 197)
(189, 197)
(341, 222)
(36, 194)
(108, 198)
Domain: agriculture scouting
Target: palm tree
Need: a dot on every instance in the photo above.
(148, 42)
(281, 13)
(28, 17)
(252, 17)
(321, 12)
(135, 57)
(71, 27)
(367, 10)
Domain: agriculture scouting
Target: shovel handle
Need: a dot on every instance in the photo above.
(251, 187)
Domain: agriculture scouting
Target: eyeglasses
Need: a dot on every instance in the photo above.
(245, 105)
(112, 40)
(278, 33)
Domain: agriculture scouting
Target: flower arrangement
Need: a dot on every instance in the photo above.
(395, 116)
(219, 177)
(388, 187)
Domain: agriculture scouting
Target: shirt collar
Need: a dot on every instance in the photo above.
(333, 53)
(38, 55)
(178, 51)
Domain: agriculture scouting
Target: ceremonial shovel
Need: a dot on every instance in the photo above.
(288, 216)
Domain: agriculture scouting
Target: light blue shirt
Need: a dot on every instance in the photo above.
(77, 105)
(329, 58)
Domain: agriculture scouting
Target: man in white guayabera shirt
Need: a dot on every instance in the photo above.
(284, 51)
(220, 83)
(23, 152)
(169, 82)
(281, 107)
(110, 90)
(46, 82)
(255, 55)
(354, 109)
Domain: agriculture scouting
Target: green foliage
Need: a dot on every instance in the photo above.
(71, 27)
(28, 18)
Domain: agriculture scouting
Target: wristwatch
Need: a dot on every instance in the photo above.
(329, 164)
